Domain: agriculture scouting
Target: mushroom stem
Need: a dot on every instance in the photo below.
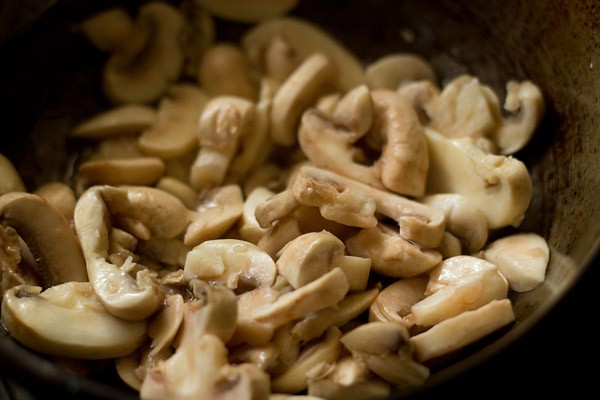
(418, 223)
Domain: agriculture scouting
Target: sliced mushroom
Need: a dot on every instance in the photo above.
(306, 39)
(299, 91)
(394, 70)
(49, 237)
(164, 326)
(115, 148)
(224, 121)
(327, 190)
(309, 257)
(174, 133)
(256, 144)
(465, 107)
(354, 305)
(463, 329)
(263, 356)
(404, 160)
(357, 270)
(38, 319)
(395, 301)
(199, 368)
(522, 258)
(107, 29)
(348, 379)
(179, 189)
(499, 186)
(121, 120)
(248, 330)
(323, 292)
(153, 213)
(390, 254)
(170, 251)
(463, 219)
(514, 133)
(10, 180)
(280, 60)
(142, 171)
(248, 11)
(459, 284)
(234, 263)
(149, 58)
(218, 210)
(250, 229)
(282, 232)
(60, 195)
(294, 379)
(275, 207)
(386, 349)
(225, 71)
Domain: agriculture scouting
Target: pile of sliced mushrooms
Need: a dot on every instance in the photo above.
(271, 218)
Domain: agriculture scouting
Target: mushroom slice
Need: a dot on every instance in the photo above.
(142, 171)
(107, 29)
(158, 213)
(404, 160)
(174, 133)
(386, 349)
(164, 327)
(49, 238)
(248, 330)
(463, 329)
(294, 379)
(499, 186)
(390, 254)
(321, 293)
(256, 144)
(465, 107)
(121, 120)
(329, 146)
(283, 231)
(60, 195)
(263, 356)
(459, 284)
(250, 229)
(357, 270)
(179, 189)
(199, 368)
(299, 91)
(10, 180)
(234, 263)
(394, 70)
(219, 209)
(225, 71)
(214, 312)
(418, 223)
(395, 301)
(522, 258)
(67, 320)
(305, 39)
(309, 257)
(149, 58)
(275, 207)
(354, 305)
(463, 219)
(224, 120)
(514, 133)
(349, 378)
(248, 10)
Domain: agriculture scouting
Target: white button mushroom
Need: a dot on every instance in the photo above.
(522, 258)
(67, 320)
(459, 284)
